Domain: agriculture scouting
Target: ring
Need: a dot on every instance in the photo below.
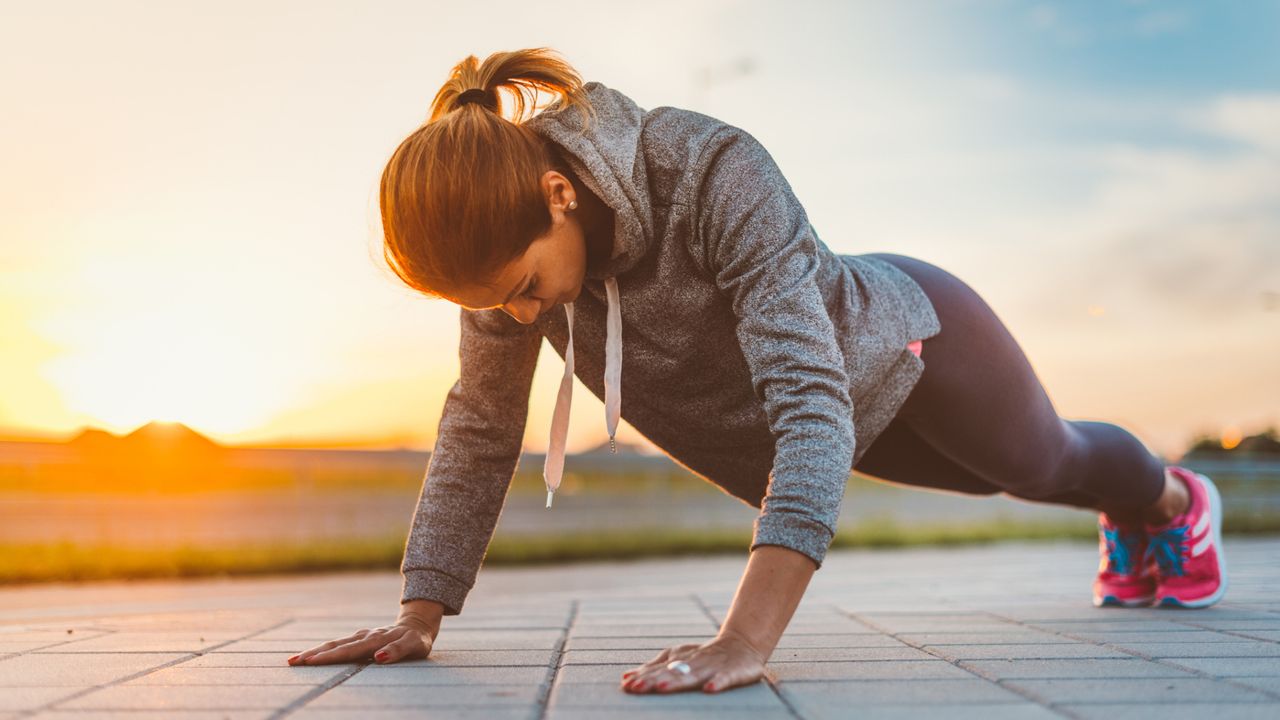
(680, 666)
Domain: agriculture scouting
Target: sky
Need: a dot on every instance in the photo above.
(189, 227)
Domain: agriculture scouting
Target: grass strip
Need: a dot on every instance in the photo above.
(66, 561)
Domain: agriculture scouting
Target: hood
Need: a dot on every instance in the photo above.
(607, 157)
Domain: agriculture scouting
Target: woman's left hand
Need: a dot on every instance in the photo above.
(716, 665)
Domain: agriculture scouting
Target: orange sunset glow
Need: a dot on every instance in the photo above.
(189, 231)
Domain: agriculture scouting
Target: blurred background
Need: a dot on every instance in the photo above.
(205, 366)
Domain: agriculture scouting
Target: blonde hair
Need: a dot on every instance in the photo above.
(461, 196)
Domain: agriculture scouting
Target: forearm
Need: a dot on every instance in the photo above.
(767, 596)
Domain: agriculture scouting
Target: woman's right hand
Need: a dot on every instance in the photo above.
(410, 638)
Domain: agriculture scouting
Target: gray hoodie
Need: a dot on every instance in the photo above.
(741, 345)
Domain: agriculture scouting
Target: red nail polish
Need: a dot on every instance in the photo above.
(662, 684)
(711, 687)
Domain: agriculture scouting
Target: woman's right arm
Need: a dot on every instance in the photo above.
(475, 456)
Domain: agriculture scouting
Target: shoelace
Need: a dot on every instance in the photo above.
(1168, 547)
(1120, 549)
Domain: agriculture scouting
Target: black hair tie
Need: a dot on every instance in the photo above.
(473, 95)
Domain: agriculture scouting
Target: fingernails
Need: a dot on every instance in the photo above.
(381, 655)
(662, 685)
(710, 687)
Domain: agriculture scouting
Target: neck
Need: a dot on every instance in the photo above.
(596, 219)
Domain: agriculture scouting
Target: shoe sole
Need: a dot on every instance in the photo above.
(1215, 508)
(1113, 601)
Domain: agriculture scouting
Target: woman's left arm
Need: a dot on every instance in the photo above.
(767, 596)
(752, 235)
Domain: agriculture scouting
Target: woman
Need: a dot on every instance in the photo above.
(755, 357)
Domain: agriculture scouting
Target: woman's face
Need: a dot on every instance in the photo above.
(550, 271)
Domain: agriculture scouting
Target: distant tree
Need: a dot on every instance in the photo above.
(1265, 443)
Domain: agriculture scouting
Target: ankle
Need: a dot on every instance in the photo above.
(1174, 500)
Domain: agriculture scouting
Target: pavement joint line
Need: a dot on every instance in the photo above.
(316, 692)
(142, 673)
(1236, 633)
(1160, 661)
(768, 677)
(557, 664)
(1029, 695)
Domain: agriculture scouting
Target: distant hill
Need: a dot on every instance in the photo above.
(152, 438)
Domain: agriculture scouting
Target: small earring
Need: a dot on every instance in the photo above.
(573, 204)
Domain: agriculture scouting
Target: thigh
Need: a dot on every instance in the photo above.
(899, 455)
(979, 402)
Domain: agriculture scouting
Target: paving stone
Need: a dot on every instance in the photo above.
(664, 712)
(1106, 626)
(50, 669)
(835, 709)
(187, 697)
(1165, 711)
(30, 697)
(592, 673)
(363, 697)
(287, 647)
(1075, 668)
(498, 639)
(600, 695)
(1269, 684)
(190, 641)
(996, 638)
(1137, 690)
(1214, 649)
(645, 630)
(1272, 635)
(869, 670)
(1046, 651)
(156, 715)
(633, 643)
(444, 656)
(453, 713)
(597, 657)
(1192, 636)
(1231, 667)
(422, 675)
(249, 660)
(838, 640)
(186, 675)
(856, 693)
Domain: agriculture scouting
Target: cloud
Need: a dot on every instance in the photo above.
(1181, 229)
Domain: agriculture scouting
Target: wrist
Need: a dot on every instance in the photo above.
(754, 646)
(421, 615)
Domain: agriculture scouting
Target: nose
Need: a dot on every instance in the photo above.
(529, 313)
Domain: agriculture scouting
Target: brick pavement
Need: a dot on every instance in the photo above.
(989, 632)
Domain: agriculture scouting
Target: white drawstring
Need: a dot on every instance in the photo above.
(553, 468)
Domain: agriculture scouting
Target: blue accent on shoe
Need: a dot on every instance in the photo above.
(1166, 547)
(1120, 549)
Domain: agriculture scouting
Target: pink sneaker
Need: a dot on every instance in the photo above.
(1125, 576)
(1190, 568)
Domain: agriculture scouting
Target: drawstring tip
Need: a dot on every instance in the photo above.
(613, 447)
(549, 492)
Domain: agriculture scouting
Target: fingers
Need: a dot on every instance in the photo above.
(664, 657)
(409, 646)
(353, 647)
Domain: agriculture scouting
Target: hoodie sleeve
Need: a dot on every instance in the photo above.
(477, 448)
(754, 238)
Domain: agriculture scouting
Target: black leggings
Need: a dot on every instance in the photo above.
(978, 421)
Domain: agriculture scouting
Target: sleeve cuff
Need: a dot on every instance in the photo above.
(797, 532)
(435, 585)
